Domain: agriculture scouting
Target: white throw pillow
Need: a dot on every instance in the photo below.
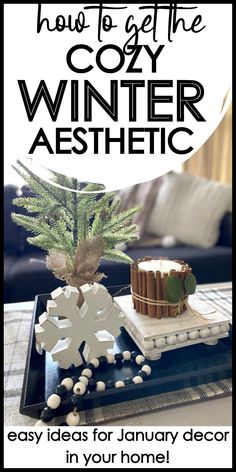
(190, 209)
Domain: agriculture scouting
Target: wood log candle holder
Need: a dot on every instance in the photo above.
(150, 284)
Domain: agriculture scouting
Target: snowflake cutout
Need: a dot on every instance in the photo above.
(64, 326)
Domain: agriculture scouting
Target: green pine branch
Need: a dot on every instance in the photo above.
(60, 217)
(120, 220)
(116, 256)
(38, 186)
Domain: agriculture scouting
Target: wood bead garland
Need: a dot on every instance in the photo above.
(85, 383)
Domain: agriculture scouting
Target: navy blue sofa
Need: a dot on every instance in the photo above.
(26, 275)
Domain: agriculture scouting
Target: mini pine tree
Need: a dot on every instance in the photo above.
(76, 229)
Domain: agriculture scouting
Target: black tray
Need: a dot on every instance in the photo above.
(180, 368)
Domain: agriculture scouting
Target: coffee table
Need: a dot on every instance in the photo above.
(184, 407)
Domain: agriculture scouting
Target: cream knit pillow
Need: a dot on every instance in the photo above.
(190, 209)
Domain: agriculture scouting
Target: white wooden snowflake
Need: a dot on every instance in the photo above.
(64, 326)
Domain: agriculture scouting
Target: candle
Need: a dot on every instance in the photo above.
(149, 282)
(162, 265)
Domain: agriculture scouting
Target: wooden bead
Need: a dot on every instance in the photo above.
(204, 333)
(95, 362)
(84, 380)
(139, 359)
(40, 423)
(87, 372)
(110, 384)
(46, 414)
(119, 384)
(103, 361)
(89, 366)
(148, 344)
(171, 340)
(61, 391)
(160, 342)
(215, 330)
(79, 388)
(128, 381)
(193, 334)
(76, 400)
(110, 358)
(137, 379)
(119, 357)
(147, 369)
(127, 355)
(92, 385)
(68, 382)
(142, 374)
(224, 328)
(73, 418)
(182, 337)
(100, 386)
(54, 401)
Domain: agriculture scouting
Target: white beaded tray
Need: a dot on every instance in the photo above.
(154, 336)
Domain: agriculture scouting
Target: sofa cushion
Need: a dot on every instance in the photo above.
(226, 231)
(25, 276)
(9, 262)
(29, 277)
(143, 196)
(209, 265)
(190, 209)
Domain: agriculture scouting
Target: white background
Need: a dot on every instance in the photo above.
(205, 57)
(182, 454)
